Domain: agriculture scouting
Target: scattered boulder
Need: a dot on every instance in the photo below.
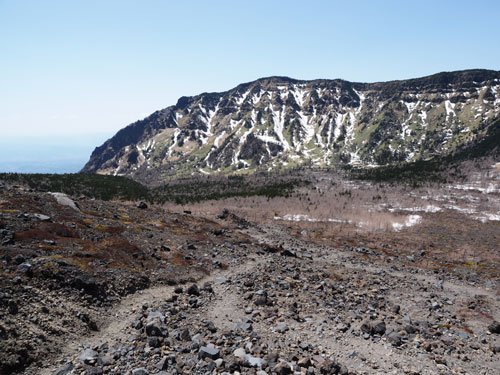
(329, 367)
(208, 352)
(193, 290)
(25, 268)
(6, 237)
(64, 370)
(394, 339)
(282, 368)
(304, 362)
(13, 307)
(240, 353)
(19, 259)
(253, 361)
(244, 326)
(282, 327)
(184, 335)
(88, 356)
(87, 283)
(289, 253)
(142, 205)
(376, 327)
(64, 200)
(41, 217)
(154, 341)
(223, 214)
(494, 327)
(140, 371)
(90, 370)
(155, 325)
(162, 364)
(211, 327)
(495, 347)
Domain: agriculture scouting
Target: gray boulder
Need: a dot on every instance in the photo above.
(88, 356)
(64, 200)
(155, 325)
(64, 370)
(494, 327)
(208, 352)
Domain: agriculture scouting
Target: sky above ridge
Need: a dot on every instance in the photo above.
(74, 68)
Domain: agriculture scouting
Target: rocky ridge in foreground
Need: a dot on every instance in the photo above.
(223, 296)
(292, 310)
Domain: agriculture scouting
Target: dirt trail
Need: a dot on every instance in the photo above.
(224, 310)
(322, 327)
(117, 324)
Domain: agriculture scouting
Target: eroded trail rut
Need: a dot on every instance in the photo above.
(308, 310)
(116, 325)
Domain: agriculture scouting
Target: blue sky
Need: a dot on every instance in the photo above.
(91, 67)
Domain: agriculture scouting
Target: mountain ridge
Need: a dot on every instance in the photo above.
(279, 122)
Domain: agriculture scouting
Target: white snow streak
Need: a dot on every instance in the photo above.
(298, 94)
(361, 100)
(268, 139)
(241, 99)
(449, 106)
(308, 129)
(423, 117)
(178, 116)
(256, 97)
(233, 124)
(409, 222)
(339, 121)
(219, 137)
(487, 217)
(410, 106)
(176, 138)
(429, 208)
(279, 125)
(350, 128)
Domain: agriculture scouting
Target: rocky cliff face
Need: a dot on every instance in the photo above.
(279, 122)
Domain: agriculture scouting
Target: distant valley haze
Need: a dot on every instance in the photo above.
(47, 154)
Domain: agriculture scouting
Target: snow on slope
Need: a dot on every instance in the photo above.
(298, 122)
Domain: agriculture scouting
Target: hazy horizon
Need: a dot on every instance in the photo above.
(47, 154)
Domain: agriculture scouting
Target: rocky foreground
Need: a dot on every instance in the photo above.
(108, 288)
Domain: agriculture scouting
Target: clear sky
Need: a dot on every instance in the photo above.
(75, 67)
